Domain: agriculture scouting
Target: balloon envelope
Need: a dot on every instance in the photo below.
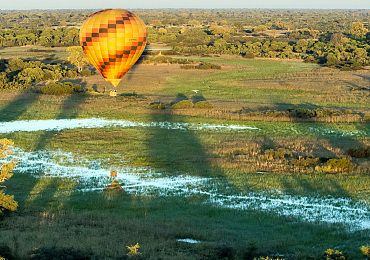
(113, 40)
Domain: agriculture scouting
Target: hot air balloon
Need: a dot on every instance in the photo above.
(113, 40)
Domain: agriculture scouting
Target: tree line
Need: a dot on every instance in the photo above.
(44, 37)
(336, 38)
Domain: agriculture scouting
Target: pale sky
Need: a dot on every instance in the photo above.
(159, 4)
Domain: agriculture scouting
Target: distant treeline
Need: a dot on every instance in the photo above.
(339, 38)
(43, 37)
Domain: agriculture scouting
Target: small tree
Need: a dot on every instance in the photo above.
(162, 31)
(133, 250)
(77, 57)
(157, 23)
(6, 201)
(238, 26)
(366, 251)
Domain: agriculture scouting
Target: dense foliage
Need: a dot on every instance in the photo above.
(22, 74)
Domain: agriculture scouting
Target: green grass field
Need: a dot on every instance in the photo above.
(55, 212)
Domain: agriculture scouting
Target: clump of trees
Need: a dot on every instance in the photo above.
(23, 74)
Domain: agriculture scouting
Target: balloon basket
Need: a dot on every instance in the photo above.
(113, 94)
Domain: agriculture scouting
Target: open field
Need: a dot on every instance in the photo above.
(200, 174)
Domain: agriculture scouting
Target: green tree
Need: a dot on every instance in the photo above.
(162, 31)
(156, 23)
(331, 60)
(194, 23)
(238, 26)
(6, 201)
(358, 29)
(260, 28)
(77, 57)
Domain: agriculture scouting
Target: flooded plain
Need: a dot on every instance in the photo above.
(93, 176)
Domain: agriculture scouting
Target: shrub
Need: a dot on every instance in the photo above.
(183, 105)
(157, 106)
(224, 252)
(339, 164)
(332, 254)
(133, 250)
(202, 66)
(366, 117)
(128, 99)
(306, 162)
(280, 153)
(71, 74)
(57, 88)
(249, 55)
(361, 152)
(308, 113)
(48, 75)
(203, 104)
(77, 88)
(366, 251)
(85, 73)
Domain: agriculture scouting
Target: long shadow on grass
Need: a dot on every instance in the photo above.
(69, 110)
(177, 151)
(17, 107)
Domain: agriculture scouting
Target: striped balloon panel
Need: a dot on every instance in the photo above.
(113, 40)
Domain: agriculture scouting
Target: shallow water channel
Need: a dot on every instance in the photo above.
(92, 176)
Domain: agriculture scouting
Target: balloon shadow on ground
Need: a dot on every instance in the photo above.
(17, 107)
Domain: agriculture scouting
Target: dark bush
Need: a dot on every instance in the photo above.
(308, 113)
(6, 253)
(361, 152)
(224, 252)
(306, 162)
(85, 73)
(53, 253)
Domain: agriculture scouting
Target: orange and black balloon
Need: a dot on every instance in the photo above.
(113, 40)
